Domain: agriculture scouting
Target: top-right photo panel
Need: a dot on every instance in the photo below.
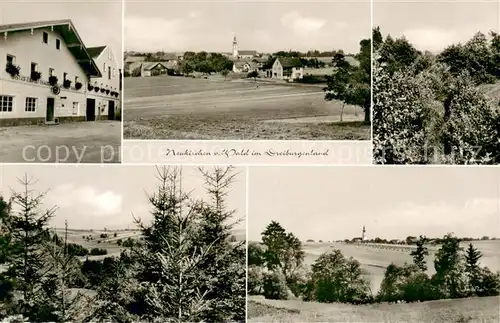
(436, 82)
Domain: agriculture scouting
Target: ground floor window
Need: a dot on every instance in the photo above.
(76, 108)
(6, 103)
(30, 105)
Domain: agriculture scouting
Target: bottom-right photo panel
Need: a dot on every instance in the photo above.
(373, 244)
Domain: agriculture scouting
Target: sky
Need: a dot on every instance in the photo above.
(94, 197)
(264, 26)
(97, 22)
(434, 25)
(333, 203)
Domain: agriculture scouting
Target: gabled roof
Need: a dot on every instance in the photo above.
(288, 62)
(150, 65)
(96, 51)
(68, 33)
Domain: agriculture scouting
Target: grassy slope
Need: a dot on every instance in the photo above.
(485, 309)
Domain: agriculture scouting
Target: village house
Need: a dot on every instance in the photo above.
(47, 74)
(286, 68)
(110, 82)
(245, 67)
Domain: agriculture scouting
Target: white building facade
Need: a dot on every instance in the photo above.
(45, 75)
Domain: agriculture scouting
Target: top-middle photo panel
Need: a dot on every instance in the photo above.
(231, 70)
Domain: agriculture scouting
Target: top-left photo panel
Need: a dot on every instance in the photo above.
(60, 81)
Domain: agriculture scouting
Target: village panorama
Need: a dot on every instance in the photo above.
(231, 84)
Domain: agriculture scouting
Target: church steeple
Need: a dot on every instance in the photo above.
(235, 47)
(363, 234)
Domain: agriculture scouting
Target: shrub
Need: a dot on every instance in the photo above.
(77, 250)
(98, 252)
(488, 283)
(96, 88)
(104, 235)
(312, 79)
(119, 242)
(255, 254)
(78, 85)
(90, 87)
(274, 285)
(128, 243)
(107, 91)
(337, 279)
(298, 282)
(255, 280)
(407, 283)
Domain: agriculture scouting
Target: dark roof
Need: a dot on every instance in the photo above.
(95, 51)
(247, 52)
(288, 62)
(67, 31)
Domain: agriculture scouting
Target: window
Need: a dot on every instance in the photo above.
(51, 72)
(109, 73)
(65, 76)
(76, 108)
(34, 67)
(10, 59)
(45, 37)
(30, 104)
(76, 79)
(58, 44)
(104, 67)
(6, 103)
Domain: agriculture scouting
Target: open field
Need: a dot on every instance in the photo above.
(374, 261)
(110, 243)
(483, 310)
(166, 107)
(79, 142)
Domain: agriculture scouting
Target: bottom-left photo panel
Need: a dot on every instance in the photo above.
(122, 243)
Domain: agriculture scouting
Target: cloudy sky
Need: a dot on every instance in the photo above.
(98, 22)
(434, 25)
(264, 26)
(332, 203)
(97, 197)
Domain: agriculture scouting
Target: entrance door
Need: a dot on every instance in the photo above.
(90, 110)
(111, 110)
(50, 109)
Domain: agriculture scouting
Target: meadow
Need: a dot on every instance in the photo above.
(168, 107)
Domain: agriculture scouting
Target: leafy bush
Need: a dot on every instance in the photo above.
(104, 235)
(78, 85)
(77, 250)
(255, 254)
(337, 279)
(407, 283)
(255, 280)
(98, 252)
(312, 79)
(274, 285)
(67, 84)
(53, 80)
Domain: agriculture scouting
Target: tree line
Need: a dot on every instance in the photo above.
(185, 268)
(433, 108)
(277, 271)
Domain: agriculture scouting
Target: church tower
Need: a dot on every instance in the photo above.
(235, 47)
(363, 234)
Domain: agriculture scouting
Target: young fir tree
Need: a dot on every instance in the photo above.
(26, 227)
(472, 256)
(225, 264)
(420, 253)
(172, 278)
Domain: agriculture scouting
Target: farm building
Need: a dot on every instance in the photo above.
(153, 68)
(286, 68)
(48, 72)
(245, 67)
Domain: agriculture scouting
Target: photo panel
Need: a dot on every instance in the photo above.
(326, 245)
(436, 82)
(122, 243)
(60, 82)
(266, 80)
